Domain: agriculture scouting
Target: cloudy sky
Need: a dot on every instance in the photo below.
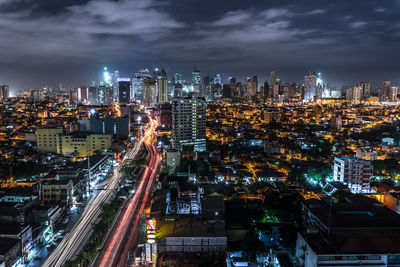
(52, 41)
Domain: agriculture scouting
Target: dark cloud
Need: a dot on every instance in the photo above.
(69, 41)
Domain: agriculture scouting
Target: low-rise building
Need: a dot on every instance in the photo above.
(366, 153)
(57, 191)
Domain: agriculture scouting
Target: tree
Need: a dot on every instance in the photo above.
(251, 246)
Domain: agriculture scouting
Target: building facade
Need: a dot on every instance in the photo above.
(354, 172)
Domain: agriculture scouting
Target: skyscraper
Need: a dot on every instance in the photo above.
(94, 95)
(254, 86)
(115, 77)
(83, 94)
(366, 89)
(137, 84)
(189, 122)
(196, 79)
(124, 90)
(273, 78)
(4, 92)
(310, 87)
(388, 93)
(106, 94)
(162, 90)
(149, 92)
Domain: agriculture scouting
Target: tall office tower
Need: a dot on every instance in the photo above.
(83, 94)
(265, 92)
(106, 94)
(310, 87)
(4, 92)
(94, 95)
(196, 79)
(293, 89)
(354, 94)
(272, 78)
(384, 92)
(227, 91)
(37, 95)
(149, 92)
(393, 94)
(124, 90)
(189, 122)
(354, 172)
(320, 86)
(137, 84)
(232, 85)
(248, 89)
(276, 88)
(162, 90)
(217, 79)
(366, 89)
(208, 94)
(177, 90)
(114, 81)
(254, 86)
(178, 78)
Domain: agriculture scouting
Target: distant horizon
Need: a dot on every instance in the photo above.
(68, 42)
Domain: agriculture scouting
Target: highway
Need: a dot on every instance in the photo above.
(123, 235)
(77, 237)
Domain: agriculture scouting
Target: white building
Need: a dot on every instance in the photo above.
(189, 122)
(353, 172)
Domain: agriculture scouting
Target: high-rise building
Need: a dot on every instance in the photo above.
(37, 95)
(115, 77)
(124, 90)
(196, 79)
(254, 86)
(189, 122)
(4, 92)
(149, 92)
(208, 94)
(83, 94)
(248, 89)
(178, 78)
(354, 172)
(272, 78)
(94, 95)
(366, 89)
(137, 83)
(310, 87)
(384, 92)
(354, 94)
(106, 94)
(162, 90)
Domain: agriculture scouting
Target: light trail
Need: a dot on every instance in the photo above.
(123, 234)
(76, 238)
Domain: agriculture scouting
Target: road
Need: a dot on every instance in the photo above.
(122, 237)
(77, 237)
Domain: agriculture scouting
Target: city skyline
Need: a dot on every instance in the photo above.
(67, 42)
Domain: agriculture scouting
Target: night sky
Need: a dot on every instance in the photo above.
(51, 41)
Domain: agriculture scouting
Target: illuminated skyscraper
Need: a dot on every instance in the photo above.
(106, 94)
(83, 94)
(4, 92)
(366, 89)
(248, 89)
(94, 95)
(149, 92)
(137, 84)
(310, 87)
(196, 79)
(272, 78)
(388, 93)
(254, 85)
(114, 80)
(189, 122)
(162, 90)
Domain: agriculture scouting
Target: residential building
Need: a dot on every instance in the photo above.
(57, 191)
(354, 172)
(366, 153)
(189, 122)
(124, 90)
